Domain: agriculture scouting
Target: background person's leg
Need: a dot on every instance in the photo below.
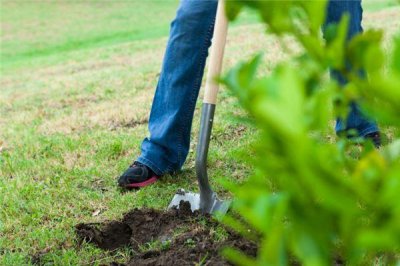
(178, 87)
(355, 120)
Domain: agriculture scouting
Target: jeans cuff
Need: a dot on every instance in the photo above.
(369, 130)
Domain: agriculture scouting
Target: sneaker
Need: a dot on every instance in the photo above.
(136, 176)
(375, 137)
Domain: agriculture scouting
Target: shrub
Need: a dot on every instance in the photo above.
(312, 200)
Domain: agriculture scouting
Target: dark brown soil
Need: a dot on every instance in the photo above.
(178, 237)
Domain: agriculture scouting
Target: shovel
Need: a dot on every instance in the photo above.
(207, 201)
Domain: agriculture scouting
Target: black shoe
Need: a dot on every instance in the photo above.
(137, 175)
(375, 137)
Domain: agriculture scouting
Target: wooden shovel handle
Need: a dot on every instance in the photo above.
(217, 54)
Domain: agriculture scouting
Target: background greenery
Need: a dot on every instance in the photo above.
(77, 79)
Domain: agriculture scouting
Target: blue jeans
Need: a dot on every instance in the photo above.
(355, 120)
(178, 87)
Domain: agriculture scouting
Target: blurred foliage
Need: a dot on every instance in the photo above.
(311, 200)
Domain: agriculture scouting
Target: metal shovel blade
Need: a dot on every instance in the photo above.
(216, 206)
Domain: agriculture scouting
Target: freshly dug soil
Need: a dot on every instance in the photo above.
(184, 238)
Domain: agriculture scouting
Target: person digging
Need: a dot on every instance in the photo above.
(166, 149)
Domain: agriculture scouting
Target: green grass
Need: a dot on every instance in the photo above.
(77, 80)
(46, 28)
(50, 29)
(375, 5)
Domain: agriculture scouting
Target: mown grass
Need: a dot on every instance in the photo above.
(77, 82)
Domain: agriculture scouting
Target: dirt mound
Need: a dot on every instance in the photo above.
(177, 237)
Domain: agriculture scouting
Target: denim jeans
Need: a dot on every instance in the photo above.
(166, 149)
(355, 120)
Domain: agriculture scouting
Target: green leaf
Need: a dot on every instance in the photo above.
(237, 257)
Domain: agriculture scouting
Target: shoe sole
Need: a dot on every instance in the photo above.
(150, 181)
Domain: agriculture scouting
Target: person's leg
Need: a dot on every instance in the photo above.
(356, 120)
(178, 87)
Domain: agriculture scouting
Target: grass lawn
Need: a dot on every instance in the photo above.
(77, 80)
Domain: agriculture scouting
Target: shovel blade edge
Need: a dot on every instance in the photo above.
(219, 207)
